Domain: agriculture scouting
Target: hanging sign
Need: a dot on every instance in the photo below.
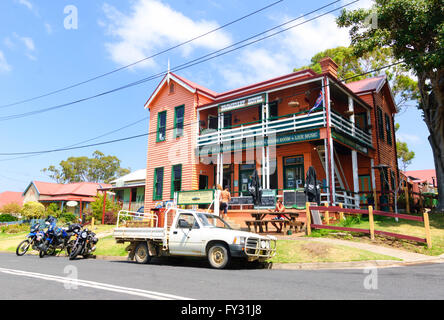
(195, 197)
(242, 103)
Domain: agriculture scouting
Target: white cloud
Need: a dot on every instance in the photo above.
(407, 137)
(26, 3)
(279, 54)
(4, 66)
(152, 26)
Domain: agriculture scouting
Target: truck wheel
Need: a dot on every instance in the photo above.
(141, 253)
(218, 256)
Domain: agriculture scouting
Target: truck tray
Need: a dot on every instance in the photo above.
(139, 233)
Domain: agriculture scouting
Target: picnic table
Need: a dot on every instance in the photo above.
(260, 220)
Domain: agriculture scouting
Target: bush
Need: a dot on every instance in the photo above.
(67, 217)
(110, 218)
(53, 210)
(11, 208)
(350, 220)
(97, 207)
(33, 209)
(7, 218)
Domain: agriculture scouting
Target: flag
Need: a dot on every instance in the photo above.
(317, 103)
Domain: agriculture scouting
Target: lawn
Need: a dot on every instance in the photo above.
(407, 227)
(300, 251)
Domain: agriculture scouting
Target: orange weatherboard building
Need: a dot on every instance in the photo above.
(280, 127)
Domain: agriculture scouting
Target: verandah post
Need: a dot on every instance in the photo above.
(308, 217)
(341, 214)
(327, 215)
(103, 209)
(372, 223)
(427, 229)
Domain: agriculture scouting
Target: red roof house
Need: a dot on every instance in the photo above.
(8, 197)
(48, 192)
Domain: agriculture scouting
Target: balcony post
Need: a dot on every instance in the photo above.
(351, 108)
(329, 153)
(355, 167)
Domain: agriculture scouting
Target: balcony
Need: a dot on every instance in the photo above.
(349, 128)
(288, 123)
(285, 124)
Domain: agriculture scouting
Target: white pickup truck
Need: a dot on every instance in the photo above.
(189, 233)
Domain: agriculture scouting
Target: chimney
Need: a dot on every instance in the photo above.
(329, 66)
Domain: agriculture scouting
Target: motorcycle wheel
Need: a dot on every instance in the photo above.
(69, 247)
(75, 252)
(42, 253)
(22, 248)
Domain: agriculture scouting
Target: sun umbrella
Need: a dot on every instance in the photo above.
(254, 187)
(311, 187)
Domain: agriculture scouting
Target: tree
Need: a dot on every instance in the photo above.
(414, 31)
(353, 68)
(404, 154)
(33, 209)
(99, 168)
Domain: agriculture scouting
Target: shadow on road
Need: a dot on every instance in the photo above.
(236, 264)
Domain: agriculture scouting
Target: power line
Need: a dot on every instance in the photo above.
(191, 63)
(141, 60)
(84, 141)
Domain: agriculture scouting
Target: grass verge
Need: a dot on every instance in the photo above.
(407, 227)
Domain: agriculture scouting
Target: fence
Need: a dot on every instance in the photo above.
(370, 212)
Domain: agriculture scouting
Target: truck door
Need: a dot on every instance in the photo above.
(185, 236)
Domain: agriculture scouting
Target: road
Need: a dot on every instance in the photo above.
(30, 277)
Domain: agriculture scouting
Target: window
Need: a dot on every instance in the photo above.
(388, 129)
(293, 172)
(158, 184)
(383, 175)
(179, 113)
(187, 220)
(176, 179)
(212, 122)
(161, 126)
(380, 123)
(172, 87)
(227, 120)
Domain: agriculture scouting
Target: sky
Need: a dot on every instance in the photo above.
(47, 45)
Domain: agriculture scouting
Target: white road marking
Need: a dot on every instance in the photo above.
(96, 285)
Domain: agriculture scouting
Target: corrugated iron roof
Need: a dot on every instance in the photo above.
(8, 197)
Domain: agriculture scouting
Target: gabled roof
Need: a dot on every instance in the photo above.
(369, 84)
(137, 175)
(428, 175)
(10, 197)
(187, 84)
(78, 188)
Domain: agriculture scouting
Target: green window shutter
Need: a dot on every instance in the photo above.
(158, 184)
(179, 115)
(388, 130)
(176, 179)
(161, 126)
(380, 124)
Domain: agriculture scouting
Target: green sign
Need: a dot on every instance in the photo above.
(195, 197)
(349, 142)
(260, 142)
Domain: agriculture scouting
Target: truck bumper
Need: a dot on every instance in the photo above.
(237, 251)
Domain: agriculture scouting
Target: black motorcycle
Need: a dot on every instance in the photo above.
(84, 244)
(57, 238)
(33, 240)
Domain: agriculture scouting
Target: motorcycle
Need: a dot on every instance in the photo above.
(33, 240)
(57, 238)
(84, 245)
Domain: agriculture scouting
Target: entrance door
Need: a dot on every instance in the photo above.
(245, 172)
(293, 172)
(203, 182)
(226, 179)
